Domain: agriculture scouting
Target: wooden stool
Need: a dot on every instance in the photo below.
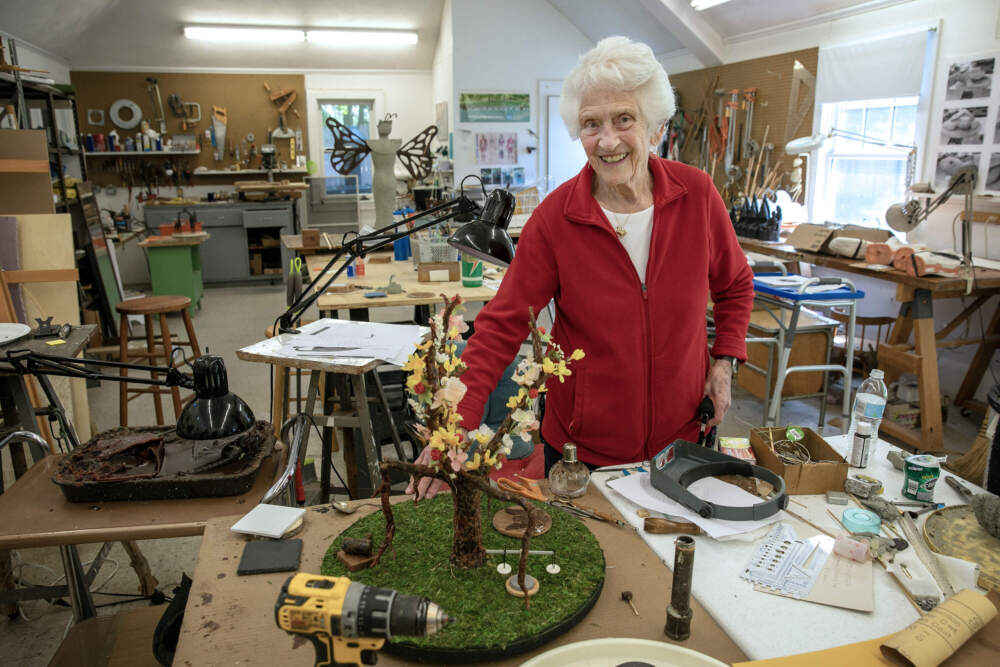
(148, 307)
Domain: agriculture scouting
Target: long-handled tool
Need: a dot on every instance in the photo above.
(154, 94)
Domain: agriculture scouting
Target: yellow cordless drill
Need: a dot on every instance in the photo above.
(347, 621)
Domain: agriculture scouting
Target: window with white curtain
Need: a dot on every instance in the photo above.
(857, 175)
(869, 94)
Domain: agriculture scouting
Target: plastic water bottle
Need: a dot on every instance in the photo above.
(866, 416)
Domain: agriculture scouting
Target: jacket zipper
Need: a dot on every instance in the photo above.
(647, 341)
(649, 371)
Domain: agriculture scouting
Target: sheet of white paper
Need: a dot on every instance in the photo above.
(638, 488)
(348, 339)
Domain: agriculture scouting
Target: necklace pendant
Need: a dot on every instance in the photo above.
(621, 231)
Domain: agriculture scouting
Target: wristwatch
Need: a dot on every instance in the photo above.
(733, 360)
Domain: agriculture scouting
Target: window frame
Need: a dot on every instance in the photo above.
(834, 149)
(325, 152)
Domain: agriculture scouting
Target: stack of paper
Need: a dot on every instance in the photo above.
(794, 283)
(787, 564)
(343, 338)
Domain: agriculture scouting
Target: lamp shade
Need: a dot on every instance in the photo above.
(215, 412)
(903, 217)
(486, 238)
(805, 144)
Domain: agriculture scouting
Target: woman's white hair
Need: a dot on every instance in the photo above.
(618, 63)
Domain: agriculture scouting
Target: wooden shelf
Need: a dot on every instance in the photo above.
(136, 153)
(241, 172)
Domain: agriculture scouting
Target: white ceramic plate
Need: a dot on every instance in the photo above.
(617, 650)
(11, 331)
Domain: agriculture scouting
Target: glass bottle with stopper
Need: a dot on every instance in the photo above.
(569, 478)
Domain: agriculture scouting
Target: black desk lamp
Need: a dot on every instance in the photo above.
(484, 238)
(214, 413)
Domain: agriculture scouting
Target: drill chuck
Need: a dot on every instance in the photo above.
(383, 612)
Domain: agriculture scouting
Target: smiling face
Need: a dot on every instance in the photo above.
(616, 139)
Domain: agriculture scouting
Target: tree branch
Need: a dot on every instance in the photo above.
(483, 484)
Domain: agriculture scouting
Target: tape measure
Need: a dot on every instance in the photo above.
(861, 521)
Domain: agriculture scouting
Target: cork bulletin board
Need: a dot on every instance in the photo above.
(247, 103)
(772, 77)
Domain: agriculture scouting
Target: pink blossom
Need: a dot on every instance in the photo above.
(457, 458)
(458, 322)
(452, 391)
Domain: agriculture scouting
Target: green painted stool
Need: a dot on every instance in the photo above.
(175, 269)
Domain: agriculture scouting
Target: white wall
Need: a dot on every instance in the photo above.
(33, 57)
(508, 47)
(442, 72)
(407, 94)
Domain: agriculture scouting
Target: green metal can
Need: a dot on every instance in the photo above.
(920, 476)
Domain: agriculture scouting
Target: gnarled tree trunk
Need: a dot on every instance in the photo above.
(467, 543)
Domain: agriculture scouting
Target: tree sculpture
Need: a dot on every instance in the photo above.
(463, 461)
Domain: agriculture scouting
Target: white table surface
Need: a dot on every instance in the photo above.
(765, 625)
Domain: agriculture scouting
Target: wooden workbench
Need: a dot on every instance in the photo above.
(377, 276)
(229, 619)
(915, 295)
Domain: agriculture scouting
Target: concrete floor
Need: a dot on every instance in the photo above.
(231, 318)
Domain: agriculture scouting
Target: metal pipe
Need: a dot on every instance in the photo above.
(679, 613)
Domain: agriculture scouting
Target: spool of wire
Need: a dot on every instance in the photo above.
(791, 452)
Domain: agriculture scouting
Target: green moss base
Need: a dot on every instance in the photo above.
(489, 619)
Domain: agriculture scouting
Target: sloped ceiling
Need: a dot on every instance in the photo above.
(147, 34)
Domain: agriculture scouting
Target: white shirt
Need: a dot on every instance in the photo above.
(638, 228)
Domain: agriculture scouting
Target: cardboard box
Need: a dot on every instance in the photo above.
(256, 264)
(816, 238)
(433, 272)
(807, 479)
(310, 238)
(903, 413)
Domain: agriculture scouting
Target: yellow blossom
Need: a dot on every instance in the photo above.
(548, 367)
(577, 355)
(451, 364)
(414, 363)
(474, 463)
(413, 380)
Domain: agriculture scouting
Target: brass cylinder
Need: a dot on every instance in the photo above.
(678, 625)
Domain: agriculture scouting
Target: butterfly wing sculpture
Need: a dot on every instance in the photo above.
(349, 149)
(415, 154)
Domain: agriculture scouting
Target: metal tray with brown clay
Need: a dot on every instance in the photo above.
(154, 463)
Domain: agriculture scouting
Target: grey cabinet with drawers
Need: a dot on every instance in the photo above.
(244, 238)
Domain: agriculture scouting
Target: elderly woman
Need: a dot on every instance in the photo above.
(631, 249)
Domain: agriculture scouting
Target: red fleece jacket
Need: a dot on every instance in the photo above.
(645, 339)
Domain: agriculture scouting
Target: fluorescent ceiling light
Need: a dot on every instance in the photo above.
(249, 34)
(361, 37)
(701, 5)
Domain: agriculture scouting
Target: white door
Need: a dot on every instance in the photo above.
(565, 155)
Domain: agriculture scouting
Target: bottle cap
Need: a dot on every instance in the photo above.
(569, 453)
(877, 374)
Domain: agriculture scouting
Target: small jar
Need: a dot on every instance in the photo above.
(569, 477)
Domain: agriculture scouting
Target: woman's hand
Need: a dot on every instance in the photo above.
(427, 487)
(718, 387)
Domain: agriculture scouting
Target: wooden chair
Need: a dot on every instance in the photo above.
(865, 358)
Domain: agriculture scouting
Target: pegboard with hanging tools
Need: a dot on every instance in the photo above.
(734, 120)
(236, 109)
